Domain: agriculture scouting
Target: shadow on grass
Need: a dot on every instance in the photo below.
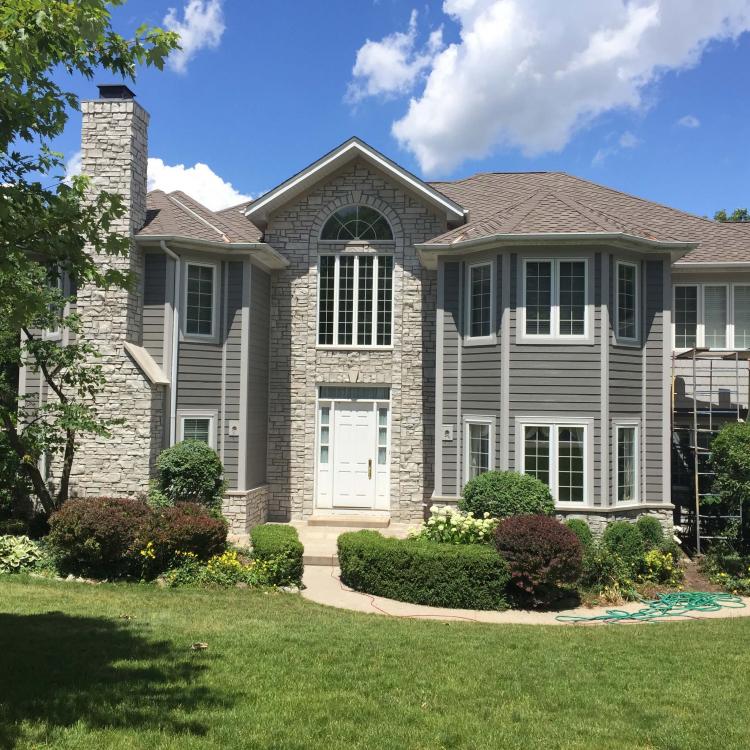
(56, 670)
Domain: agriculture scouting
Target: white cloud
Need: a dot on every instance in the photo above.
(626, 141)
(529, 74)
(689, 121)
(199, 182)
(201, 27)
(72, 167)
(392, 65)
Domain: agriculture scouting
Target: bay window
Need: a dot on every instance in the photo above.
(715, 316)
(626, 309)
(355, 300)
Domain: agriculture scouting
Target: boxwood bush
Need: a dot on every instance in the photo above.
(471, 576)
(279, 546)
(582, 530)
(624, 539)
(506, 493)
(190, 471)
(651, 531)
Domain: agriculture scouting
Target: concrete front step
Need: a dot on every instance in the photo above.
(350, 522)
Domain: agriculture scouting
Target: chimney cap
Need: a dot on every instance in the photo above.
(114, 91)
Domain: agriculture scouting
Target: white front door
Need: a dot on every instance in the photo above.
(354, 456)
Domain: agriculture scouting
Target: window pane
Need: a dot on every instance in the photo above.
(354, 392)
(325, 415)
(325, 299)
(626, 464)
(382, 452)
(570, 479)
(536, 452)
(538, 298)
(200, 300)
(626, 301)
(715, 316)
(685, 316)
(324, 454)
(572, 298)
(356, 223)
(741, 316)
(364, 301)
(385, 304)
(346, 299)
(479, 449)
(480, 286)
(194, 428)
(383, 417)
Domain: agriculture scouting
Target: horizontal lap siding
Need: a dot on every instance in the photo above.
(452, 296)
(233, 348)
(154, 299)
(653, 429)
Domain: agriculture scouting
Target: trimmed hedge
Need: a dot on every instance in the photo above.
(582, 530)
(651, 531)
(191, 472)
(625, 540)
(280, 547)
(506, 493)
(466, 576)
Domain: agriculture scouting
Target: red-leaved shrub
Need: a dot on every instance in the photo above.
(541, 553)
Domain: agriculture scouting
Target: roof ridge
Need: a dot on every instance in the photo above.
(523, 210)
(194, 213)
(588, 213)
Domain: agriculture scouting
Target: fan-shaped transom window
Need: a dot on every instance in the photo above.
(356, 223)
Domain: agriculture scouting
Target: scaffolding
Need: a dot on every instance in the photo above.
(713, 400)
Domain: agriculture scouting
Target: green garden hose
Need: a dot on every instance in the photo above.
(680, 604)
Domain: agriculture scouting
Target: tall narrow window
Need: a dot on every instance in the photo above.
(480, 300)
(355, 305)
(741, 316)
(199, 313)
(570, 469)
(627, 301)
(715, 316)
(539, 298)
(478, 448)
(382, 436)
(685, 316)
(537, 452)
(325, 433)
(572, 298)
(627, 464)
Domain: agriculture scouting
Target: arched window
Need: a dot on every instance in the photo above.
(356, 223)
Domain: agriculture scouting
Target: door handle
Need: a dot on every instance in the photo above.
(369, 468)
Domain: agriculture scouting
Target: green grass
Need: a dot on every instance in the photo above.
(283, 673)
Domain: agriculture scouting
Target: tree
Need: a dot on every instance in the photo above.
(51, 230)
(738, 216)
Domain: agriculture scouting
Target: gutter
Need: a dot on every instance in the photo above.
(713, 266)
(175, 343)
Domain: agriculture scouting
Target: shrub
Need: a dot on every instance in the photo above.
(17, 553)
(660, 567)
(625, 540)
(506, 493)
(730, 461)
(582, 530)
(190, 471)
(420, 571)
(279, 548)
(98, 536)
(605, 573)
(541, 553)
(452, 526)
(651, 531)
(184, 528)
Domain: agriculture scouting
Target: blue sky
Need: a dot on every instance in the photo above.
(638, 109)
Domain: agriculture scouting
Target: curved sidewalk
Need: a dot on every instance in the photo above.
(324, 587)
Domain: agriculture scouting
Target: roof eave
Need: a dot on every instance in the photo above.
(713, 266)
(259, 210)
(264, 253)
(429, 252)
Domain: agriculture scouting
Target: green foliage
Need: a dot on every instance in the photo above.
(730, 461)
(222, 571)
(452, 526)
(471, 576)
(727, 568)
(739, 215)
(582, 530)
(190, 471)
(17, 553)
(506, 493)
(660, 567)
(625, 540)
(279, 548)
(50, 229)
(542, 554)
(607, 574)
(651, 531)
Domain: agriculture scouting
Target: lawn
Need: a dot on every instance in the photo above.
(280, 672)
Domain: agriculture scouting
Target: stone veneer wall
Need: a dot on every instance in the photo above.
(297, 367)
(114, 151)
(245, 510)
(598, 521)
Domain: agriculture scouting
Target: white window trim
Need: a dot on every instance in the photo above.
(554, 423)
(700, 333)
(183, 414)
(357, 241)
(628, 339)
(478, 419)
(214, 335)
(359, 347)
(480, 340)
(619, 425)
(555, 337)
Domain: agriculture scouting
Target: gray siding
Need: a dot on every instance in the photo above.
(451, 344)
(154, 301)
(233, 276)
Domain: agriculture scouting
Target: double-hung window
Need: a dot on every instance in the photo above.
(200, 299)
(715, 316)
(480, 295)
(355, 300)
(556, 455)
(555, 299)
(197, 426)
(627, 463)
(626, 309)
(478, 439)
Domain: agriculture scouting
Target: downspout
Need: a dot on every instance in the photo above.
(175, 344)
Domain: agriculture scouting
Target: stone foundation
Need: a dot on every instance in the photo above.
(245, 510)
(598, 520)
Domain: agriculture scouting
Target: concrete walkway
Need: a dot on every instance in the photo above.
(324, 587)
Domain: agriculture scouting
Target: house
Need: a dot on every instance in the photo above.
(358, 341)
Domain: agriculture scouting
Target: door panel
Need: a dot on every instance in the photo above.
(354, 456)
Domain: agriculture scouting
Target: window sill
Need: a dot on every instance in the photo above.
(344, 348)
(626, 343)
(556, 340)
(574, 506)
(480, 340)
